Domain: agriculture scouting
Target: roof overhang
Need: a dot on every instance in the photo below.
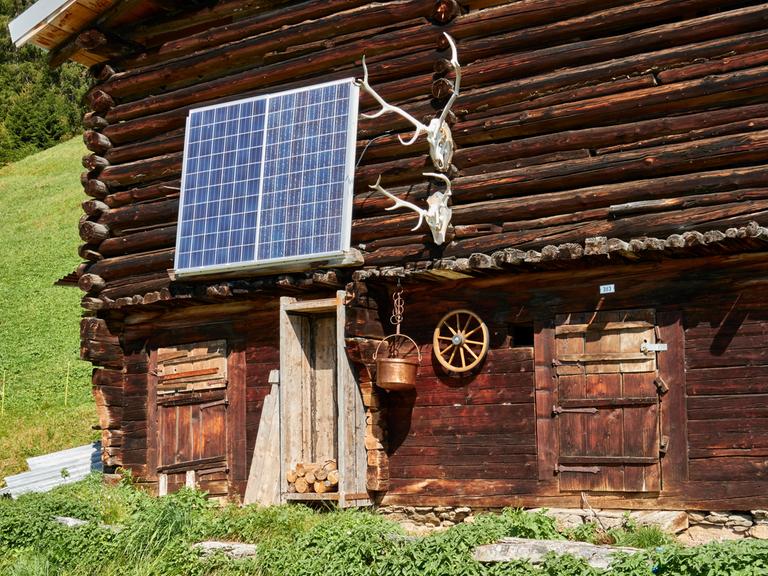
(51, 23)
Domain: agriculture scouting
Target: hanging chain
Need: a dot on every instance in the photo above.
(398, 306)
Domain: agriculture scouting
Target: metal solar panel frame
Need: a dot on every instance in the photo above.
(348, 192)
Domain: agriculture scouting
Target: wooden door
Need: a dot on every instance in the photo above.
(192, 417)
(607, 411)
(322, 416)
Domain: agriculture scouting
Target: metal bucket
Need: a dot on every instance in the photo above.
(396, 373)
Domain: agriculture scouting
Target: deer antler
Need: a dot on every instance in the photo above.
(386, 107)
(400, 203)
(457, 82)
(438, 216)
(438, 132)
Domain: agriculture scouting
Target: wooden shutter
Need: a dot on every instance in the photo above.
(608, 404)
(192, 416)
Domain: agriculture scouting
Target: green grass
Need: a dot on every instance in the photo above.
(155, 537)
(39, 323)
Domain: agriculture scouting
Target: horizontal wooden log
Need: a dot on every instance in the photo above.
(93, 232)
(264, 21)
(89, 252)
(91, 283)
(134, 284)
(95, 188)
(257, 81)
(234, 57)
(498, 69)
(757, 123)
(94, 122)
(93, 328)
(96, 142)
(705, 218)
(94, 162)
(100, 101)
(153, 239)
(94, 207)
(141, 215)
(123, 266)
(719, 66)
(151, 192)
(164, 144)
(161, 167)
(706, 154)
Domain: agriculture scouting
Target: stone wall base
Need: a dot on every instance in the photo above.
(689, 527)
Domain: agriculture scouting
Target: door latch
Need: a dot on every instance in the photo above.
(646, 347)
(557, 410)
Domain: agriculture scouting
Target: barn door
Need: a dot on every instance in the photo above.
(192, 417)
(607, 411)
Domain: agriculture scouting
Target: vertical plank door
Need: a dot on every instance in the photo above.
(607, 412)
(192, 417)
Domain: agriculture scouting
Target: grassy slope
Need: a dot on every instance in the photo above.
(39, 323)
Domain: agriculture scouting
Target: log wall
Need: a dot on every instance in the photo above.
(727, 386)
(123, 385)
(576, 119)
(481, 438)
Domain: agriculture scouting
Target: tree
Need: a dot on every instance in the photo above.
(41, 106)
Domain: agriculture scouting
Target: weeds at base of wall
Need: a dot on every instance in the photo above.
(155, 538)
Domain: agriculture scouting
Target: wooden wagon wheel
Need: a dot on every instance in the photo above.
(460, 340)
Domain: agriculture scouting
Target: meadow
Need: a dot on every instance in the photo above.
(46, 404)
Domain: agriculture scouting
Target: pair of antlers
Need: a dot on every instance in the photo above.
(437, 131)
(440, 140)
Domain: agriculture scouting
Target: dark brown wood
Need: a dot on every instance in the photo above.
(100, 101)
(96, 142)
(91, 283)
(547, 445)
(93, 232)
(445, 11)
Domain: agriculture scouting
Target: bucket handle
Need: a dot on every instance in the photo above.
(376, 352)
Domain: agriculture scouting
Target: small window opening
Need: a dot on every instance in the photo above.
(520, 335)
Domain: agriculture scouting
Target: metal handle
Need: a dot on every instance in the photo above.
(376, 352)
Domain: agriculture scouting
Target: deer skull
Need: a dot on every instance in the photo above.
(438, 214)
(438, 132)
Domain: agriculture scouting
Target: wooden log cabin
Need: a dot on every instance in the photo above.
(606, 248)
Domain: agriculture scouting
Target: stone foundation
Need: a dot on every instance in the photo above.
(693, 527)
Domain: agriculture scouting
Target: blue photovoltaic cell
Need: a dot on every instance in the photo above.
(267, 179)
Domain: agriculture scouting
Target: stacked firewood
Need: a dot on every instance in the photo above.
(318, 477)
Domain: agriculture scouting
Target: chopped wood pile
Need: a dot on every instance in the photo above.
(315, 477)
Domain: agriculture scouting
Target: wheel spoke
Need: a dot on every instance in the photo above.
(467, 323)
(448, 346)
(451, 329)
(475, 329)
(452, 355)
(458, 322)
(475, 342)
(468, 349)
(463, 360)
(445, 338)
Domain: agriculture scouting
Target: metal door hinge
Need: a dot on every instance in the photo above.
(661, 386)
(557, 410)
(653, 347)
(663, 445)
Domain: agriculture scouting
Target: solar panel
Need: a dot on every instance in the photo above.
(268, 179)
